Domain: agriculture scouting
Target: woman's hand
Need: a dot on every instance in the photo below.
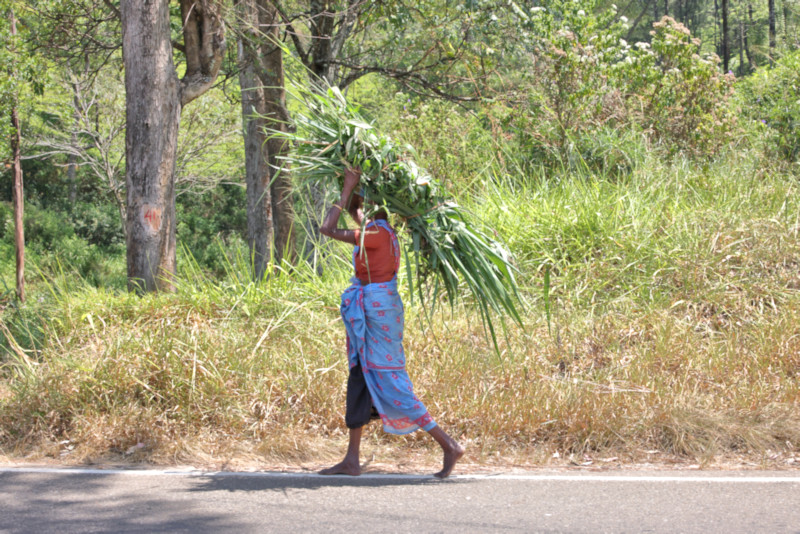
(351, 178)
(328, 228)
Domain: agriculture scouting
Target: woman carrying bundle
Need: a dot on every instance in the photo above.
(378, 385)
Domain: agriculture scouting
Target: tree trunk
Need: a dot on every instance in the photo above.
(666, 8)
(315, 248)
(19, 206)
(72, 161)
(725, 42)
(18, 197)
(741, 70)
(155, 97)
(786, 16)
(326, 47)
(153, 110)
(270, 213)
(257, 176)
(771, 5)
(635, 23)
(277, 118)
(72, 179)
(750, 61)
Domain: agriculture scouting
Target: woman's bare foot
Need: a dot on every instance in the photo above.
(452, 453)
(345, 467)
(350, 465)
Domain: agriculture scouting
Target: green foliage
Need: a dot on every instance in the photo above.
(6, 220)
(678, 97)
(453, 145)
(99, 224)
(666, 288)
(46, 229)
(611, 151)
(445, 244)
(591, 100)
(54, 247)
(24, 70)
(432, 47)
(771, 98)
(205, 221)
(665, 282)
(565, 94)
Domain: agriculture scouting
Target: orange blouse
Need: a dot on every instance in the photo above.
(375, 261)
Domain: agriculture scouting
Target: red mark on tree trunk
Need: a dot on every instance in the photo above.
(151, 218)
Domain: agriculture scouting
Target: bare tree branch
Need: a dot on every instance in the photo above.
(204, 46)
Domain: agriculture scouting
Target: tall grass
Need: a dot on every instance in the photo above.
(675, 336)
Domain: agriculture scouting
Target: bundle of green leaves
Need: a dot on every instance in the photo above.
(444, 248)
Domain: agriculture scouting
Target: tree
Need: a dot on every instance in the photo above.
(328, 25)
(19, 204)
(21, 71)
(86, 126)
(772, 30)
(432, 47)
(93, 134)
(270, 215)
(725, 41)
(750, 60)
(155, 98)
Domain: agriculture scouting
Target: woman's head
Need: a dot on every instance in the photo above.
(357, 202)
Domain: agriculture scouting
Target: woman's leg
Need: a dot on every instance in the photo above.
(357, 415)
(351, 464)
(453, 451)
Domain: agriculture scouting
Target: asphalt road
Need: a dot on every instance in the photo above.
(63, 501)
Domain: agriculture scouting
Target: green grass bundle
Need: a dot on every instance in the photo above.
(444, 247)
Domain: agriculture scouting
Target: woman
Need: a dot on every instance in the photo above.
(378, 385)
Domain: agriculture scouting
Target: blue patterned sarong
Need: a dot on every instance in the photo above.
(373, 318)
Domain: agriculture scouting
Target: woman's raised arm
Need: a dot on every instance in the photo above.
(328, 228)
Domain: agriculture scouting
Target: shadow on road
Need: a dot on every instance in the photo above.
(313, 482)
(94, 503)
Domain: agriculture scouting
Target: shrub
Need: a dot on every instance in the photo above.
(564, 95)
(6, 220)
(679, 98)
(44, 229)
(215, 217)
(72, 254)
(454, 147)
(589, 94)
(771, 99)
(99, 224)
(612, 151)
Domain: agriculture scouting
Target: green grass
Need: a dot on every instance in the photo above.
(674, 334)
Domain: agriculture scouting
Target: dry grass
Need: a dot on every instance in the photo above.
(194, 389)
(674, 340)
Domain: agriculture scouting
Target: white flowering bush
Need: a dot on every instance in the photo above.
(570, 47)
(595, 100)
(679, 98)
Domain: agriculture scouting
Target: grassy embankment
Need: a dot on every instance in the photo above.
(674, 334)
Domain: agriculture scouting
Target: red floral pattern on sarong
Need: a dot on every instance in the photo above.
(378, 328)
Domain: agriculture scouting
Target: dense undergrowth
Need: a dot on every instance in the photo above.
(650, 203)
(669, 329)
